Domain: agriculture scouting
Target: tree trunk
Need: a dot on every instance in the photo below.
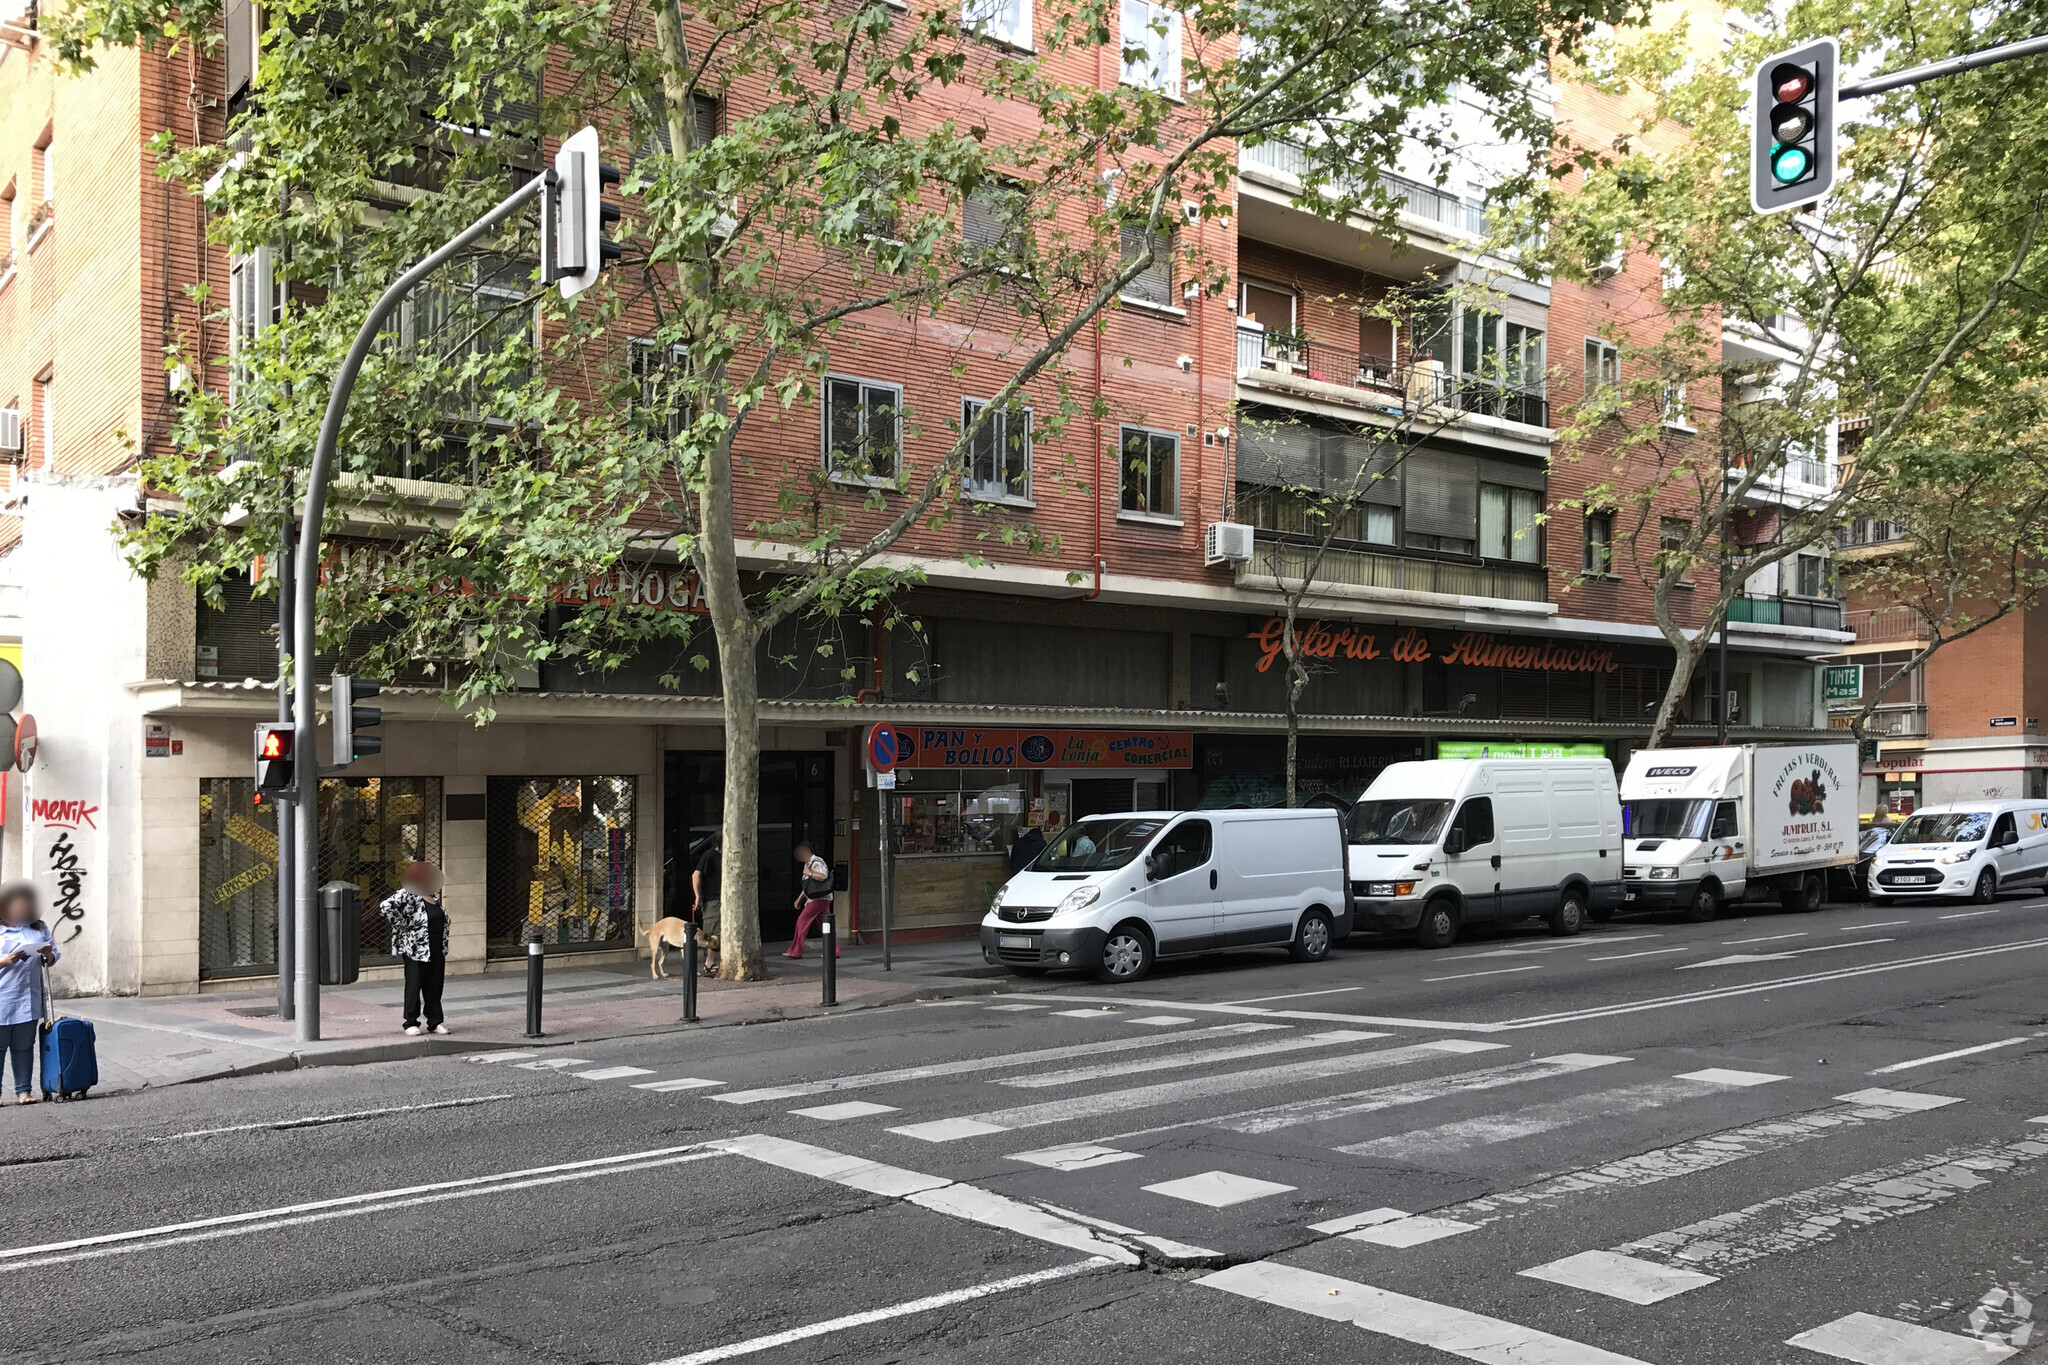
(1685, 662)
(739, 948)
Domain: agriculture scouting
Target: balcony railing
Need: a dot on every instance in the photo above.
(1893, 722)
(1349, 567)
(1381, 382)
(1417, 200)
(1807, 613)
(1886, 625)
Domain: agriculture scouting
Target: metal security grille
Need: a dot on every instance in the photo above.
(370, 829)
(560, 857)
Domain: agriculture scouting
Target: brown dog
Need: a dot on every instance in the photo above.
(669, 933)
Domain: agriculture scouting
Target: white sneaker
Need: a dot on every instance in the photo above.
(441, 1028)
(412, 1030)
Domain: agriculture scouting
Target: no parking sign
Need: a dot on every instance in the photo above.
(884, 747)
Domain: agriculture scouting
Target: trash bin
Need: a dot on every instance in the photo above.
(341, 934)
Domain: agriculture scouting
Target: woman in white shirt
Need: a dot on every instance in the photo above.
(814, 901)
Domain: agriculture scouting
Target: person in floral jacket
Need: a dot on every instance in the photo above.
(419, 936)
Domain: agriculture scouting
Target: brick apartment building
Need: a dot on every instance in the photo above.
(1027, 699)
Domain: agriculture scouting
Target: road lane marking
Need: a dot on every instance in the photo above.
(1719, 1075)
(1218, 1189)
(1881, 924)
(1735, 959)
(1175, 1092)
(1354, 1221)
(1041, 1080)
(989, 1289)
(341, 1206)
(613, 1073)
(1161, 1020)
(679, 1083)
(321, 1120)
(847, 1109)
(553, 1063)
(1498, 971)
(970, 1065)
(1872, 1340)
(1413, 1231)
(1951, 1056)
(1619, 1277)
(1469, 1336)
(1295, 1113)
(1016, 1007)
(1303, 1016)
(515, 1055)
(1912, 1101)
(1081, 1156)
(1767, 938)
(1967, 914)
(1295, 995)
(1647, 952)
(1104, 1012)
(1447, 1139)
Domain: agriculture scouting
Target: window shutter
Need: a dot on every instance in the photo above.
(1380, 484)
(239, 19)
(1278, 454)
(982, 220)
(1441, 494)
(1513, 474)
(1155, 285)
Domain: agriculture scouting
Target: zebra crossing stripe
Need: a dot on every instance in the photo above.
(613, 1073)
(1447, 1139)
(1872, 1340)
(1619, 1277)
(1728, 1242)
(1044, 1080)
(1469, 1336)
(1299, 1112)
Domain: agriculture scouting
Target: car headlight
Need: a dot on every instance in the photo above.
(1663, 874)
(1961, 855)
(1080, 898)
(997, 903)
(1391, 889)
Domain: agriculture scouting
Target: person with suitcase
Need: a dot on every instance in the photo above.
(25, 950)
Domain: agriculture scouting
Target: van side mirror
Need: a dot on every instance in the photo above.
(1455, 842)
(2007, 837)
(1154, 867)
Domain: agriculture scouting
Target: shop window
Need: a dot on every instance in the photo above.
(1151, 472)
(999, 460)
(371, 829)
(982, 817)
(560, 860)
(863, 429)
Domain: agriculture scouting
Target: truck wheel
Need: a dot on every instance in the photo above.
(1570, 915)
(1312, 937)
(1126, 955)
(1439, 927)
(1804, 895)
(1986, 890)
(1705, 905)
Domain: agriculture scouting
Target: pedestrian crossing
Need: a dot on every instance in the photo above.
(1095, 1155)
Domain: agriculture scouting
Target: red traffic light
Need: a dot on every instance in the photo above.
(1791, 83)
(276, 744)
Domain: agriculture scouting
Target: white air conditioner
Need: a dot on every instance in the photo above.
(10, 434)
(1226, 542)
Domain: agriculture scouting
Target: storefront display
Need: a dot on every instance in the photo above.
(560, 860)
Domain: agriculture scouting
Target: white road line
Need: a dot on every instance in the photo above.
(1447, 1139)
(1354, 1221)
(1016, 1007)
(1721, 1075)
(1469, 1336)
(1872, 1340)
(1881, 924)
(344, 1206)
(1648, 952)
(1619, 1277)
(969, 1066)
(1784, 955)
(1967, 914)
(1041, 1080)
(1293, 1114)
(1218, 1189)
(321, 1120)
(1175, 1092)
(1729, 1242)
(1161, 1020)
(1105, 1012)
(848, 1109)
(613, 1073)
(1081, 1156)
(1410, 1232)
(990, 1289)
(1303, 1016)
(515, 1055)
(1295, 995)
(1767, 938)
(1911, 1101)
(1950, 1056)
(1498, 971)
(679, 1083)
(553, 1063)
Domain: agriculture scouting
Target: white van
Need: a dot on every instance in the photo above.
(1965, 848)
(1441, 844)
(1116, 892)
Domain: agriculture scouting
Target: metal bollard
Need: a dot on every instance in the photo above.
(690, 976)
(533, 971)
(831, 949)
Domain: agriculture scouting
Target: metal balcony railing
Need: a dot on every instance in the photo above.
(1891, 722)
(1417, 200)
(1885, 625)
(1382, 382)
(1350, 567)
(1808, 613)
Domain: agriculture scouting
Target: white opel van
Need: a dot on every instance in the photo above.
(1116, 892)
(1441, 844)
(1965, 848)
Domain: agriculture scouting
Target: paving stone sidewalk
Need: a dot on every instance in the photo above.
(171, 1040)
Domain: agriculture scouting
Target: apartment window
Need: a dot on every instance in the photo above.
(1599, 547)
(657, 384)
(1672, 535)
(999, 458)
(1274, 307)
(1006, 21)
(1155, 284)
(704, 119)
(1810, 575)
(46, 419)
(863, 428)
(992, 219)
(1603, 365)
(251, 308)
(46, 169)
(1677, 412)
(1376, 525)
(1507, 523)
(1151, 472)
(1151, 46)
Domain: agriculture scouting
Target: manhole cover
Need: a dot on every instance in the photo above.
(254, 1011)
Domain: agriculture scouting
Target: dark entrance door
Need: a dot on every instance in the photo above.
(796, 804)
(1102, 796)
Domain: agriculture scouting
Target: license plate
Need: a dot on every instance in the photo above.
(1913, 879)
(1012, 941)
(1628, 895)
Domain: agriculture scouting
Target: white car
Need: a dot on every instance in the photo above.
(1968, 849)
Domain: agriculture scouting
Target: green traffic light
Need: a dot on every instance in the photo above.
(1790, 164)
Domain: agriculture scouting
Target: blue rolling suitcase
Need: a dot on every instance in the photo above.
(71, 1064)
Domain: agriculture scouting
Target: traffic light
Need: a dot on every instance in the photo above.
(274, 757)
(1792, 159)
(574, 243)
(350, 720)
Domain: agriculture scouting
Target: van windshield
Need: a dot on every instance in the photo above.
(1097, 845)
(1398, 822)
(1944, 827)
(1668, 818)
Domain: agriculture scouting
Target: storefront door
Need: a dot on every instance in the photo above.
(796, 804)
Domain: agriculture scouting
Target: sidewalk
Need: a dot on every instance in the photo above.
(171, 1040)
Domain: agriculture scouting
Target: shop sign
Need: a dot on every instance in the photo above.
(1491, 749)
(1896, 763)
(665, 587)
(1842, 682)
(156, 741)
(940, 747)
(1319, 640)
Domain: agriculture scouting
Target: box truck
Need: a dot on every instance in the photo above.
(1708, 826)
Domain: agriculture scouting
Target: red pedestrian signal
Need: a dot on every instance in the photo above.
(274, 757)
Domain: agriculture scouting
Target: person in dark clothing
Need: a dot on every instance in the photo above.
(704, 884)
(419, 936)
(1030, 843)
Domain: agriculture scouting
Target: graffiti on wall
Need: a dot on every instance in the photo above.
(61, 862)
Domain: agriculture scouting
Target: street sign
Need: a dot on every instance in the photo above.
(2004, 722)
(882, 748)
(1842, 682)
(26, 743)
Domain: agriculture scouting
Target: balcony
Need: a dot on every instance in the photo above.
(1345, 567)
(1805, 613)
(1886, 625)
(1299, 364)
(1888, 722)
(1427, 203)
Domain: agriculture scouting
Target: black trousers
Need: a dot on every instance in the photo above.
(423, 985)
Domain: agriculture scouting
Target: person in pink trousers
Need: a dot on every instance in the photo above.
(814, 901)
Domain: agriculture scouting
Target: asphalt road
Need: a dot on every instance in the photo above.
(1772, 1138)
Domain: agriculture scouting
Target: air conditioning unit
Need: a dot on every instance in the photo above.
(1226, 542)
(10, 434)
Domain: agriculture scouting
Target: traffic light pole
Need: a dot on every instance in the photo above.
(287, 850)
(306, 767)
(1969, 61)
